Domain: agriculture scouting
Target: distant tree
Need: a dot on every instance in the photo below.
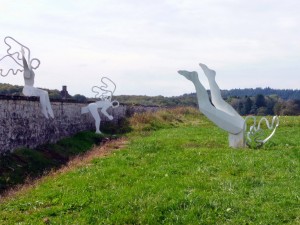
(248, 105)
(292, 107)
(279, 105)
(253, 110)
(297, 107)
(79, 98)
(235, 103)
(270, 102)
(54, 94)
(241, 109)
(260, 101)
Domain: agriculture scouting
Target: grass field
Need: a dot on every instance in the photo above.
(176, 168)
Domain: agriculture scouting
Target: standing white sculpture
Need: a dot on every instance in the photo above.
(27, 66)
(221, 113)
(107, 90)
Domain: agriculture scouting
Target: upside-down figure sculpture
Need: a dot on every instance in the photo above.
(224, 115)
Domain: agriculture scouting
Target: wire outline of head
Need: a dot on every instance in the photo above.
(104, 93)
(16, 54)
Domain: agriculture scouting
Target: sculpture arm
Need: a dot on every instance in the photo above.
(103, 110)
(24, 63)
(26, 69)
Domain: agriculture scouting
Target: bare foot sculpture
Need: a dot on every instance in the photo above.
(222, 114)
(26, 65)
(104, 103)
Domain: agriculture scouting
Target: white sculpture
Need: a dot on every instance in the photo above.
(27, 66)
(255, 135)
(104, 103)
(221, 113)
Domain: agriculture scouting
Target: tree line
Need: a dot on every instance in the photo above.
(8, 89)
(258, 101)
(265, 105)
(246, 105)
(286, 94)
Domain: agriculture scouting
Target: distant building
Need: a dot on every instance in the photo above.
(64, 93)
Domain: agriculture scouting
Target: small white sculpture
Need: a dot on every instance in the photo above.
(27, 68)
(104, 103)
(221, 113)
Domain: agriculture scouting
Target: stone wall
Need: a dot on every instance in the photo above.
(23, 125)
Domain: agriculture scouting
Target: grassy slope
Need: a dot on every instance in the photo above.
(182, 173)
(26, 164)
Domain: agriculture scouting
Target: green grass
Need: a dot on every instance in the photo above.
(173, 171)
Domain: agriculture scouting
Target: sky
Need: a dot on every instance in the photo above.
(141, 44)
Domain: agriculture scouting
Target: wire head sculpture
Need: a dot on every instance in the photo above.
(13, 53)
(106, 91)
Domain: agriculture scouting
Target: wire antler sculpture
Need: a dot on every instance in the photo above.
(15, 56)
(104, 91)
(255, 136)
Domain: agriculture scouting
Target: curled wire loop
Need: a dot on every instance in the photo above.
(106, 91)
(16, 57)
(255, 136)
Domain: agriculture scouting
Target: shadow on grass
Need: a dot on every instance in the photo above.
(27, 163)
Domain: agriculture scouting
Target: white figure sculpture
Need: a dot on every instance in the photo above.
(104, 103)
(221, 113)
(27, 67)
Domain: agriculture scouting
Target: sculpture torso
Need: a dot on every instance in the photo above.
(104, 104)
(29, 77)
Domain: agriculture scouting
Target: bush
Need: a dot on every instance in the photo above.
(164, 118)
